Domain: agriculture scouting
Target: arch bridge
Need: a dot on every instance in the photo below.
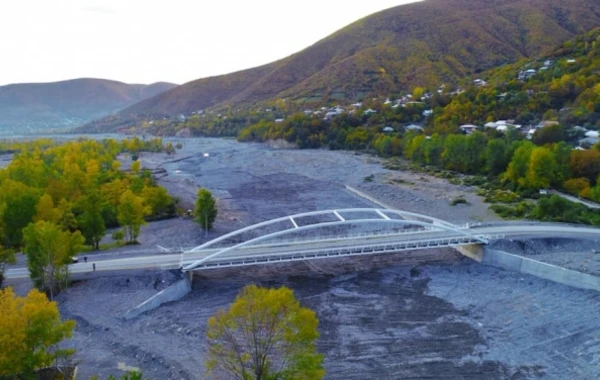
(328, 234)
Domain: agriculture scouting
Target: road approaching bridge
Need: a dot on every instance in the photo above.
(329, 234)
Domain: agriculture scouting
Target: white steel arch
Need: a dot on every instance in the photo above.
(426, 222)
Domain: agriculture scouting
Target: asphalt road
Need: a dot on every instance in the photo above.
(173, 261)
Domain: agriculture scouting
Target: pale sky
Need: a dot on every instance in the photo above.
(145, 41)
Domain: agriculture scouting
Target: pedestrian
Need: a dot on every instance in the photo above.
(85, 259)
(94, 266)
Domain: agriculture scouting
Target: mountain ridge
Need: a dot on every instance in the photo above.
(61, 105)
(425, 43)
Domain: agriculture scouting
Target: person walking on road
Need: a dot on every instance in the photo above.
(94, 266)
(85, 259)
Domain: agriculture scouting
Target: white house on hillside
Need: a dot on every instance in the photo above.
(413, 127)
(468, 128)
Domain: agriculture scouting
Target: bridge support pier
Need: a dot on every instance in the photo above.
(473, 251)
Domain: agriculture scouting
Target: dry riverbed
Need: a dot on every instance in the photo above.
(380, 317)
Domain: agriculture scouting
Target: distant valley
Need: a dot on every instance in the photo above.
(33, 108)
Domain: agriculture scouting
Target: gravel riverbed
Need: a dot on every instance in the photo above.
(380, 317)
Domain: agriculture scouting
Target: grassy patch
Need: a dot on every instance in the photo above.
(474, 181)
(107, 246)
(103, 247)
(520, 210)
(500, 196)
(400, 181)
(395, 164)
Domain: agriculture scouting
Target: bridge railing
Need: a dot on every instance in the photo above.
(411, 220)
(232, 260)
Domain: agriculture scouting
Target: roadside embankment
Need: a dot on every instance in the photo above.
(539, 269)
(524, 265)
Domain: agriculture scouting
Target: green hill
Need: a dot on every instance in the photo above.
(425, 44)
(44, 107)
(564, 86)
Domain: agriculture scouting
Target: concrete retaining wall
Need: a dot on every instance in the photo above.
(539, 269)
(174, 292)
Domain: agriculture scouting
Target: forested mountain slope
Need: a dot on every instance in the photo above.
(562, 86)
(425, 44)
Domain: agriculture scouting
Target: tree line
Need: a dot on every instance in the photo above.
(56, 198)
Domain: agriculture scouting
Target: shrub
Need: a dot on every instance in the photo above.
(118, 236)
(474, 181)
(501, 196)
(577, 185)
(519, 211)
(458, 200)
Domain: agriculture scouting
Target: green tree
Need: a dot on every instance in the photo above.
(562, 155)
(475, 152)
(265, 334)
(548, 135)
(495, 156)
(91, 220)
(19, 212)
(455, 153)
(7, 256)
(30, 333)
(49, 252)
(159, 201)
(433, 150)
(519, 164)
(415, 149)
(131, 214)
(206, 209)
(170, 149)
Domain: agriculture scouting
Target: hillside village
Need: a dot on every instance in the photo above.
(508, 91)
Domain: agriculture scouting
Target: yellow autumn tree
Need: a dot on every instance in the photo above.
(265, 334)
(49, 251)
(542, 168)
(136, 166)
(45, 210)
(30, 333)
(7, 256)
(418, 93)
(131, 214)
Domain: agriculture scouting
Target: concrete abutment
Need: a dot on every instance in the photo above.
(524, 265)
(174, 292)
